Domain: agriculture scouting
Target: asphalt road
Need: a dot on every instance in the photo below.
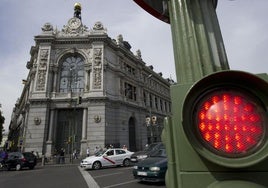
(119, 177)
(68, 176)
(72, 176)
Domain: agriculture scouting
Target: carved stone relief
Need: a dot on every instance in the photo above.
(97, 68)
(74, 28)
(42, 69)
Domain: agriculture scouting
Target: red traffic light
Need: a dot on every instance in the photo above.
(230, 123)
(225, 118)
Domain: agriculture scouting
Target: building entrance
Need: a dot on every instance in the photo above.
(69, 130)
(132, 134)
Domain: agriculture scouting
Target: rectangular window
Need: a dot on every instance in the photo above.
(130, 92)
(144, 98)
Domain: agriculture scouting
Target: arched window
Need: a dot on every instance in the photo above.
(72, 75)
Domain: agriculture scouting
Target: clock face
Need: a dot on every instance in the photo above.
(74, 23)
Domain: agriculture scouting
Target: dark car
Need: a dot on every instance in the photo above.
(153, 168)
(19, 160)
(3, 157)
(141, 155)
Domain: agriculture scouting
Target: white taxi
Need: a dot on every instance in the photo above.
(109, 157)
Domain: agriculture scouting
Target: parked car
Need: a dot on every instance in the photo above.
(3, 157)
(153, 168)
(141, 155)
(109, 157)
(19, 160)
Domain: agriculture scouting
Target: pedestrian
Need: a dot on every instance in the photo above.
(124, 147)
(96, 150)
(62, 157)
(88, 151)
(75, 154)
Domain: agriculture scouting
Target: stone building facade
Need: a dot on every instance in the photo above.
(85, 89)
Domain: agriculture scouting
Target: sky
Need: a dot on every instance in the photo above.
(243, 25)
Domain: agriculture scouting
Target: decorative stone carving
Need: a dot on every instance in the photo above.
(37, 120)
(47, 27)
(42, 69)
(98, 26)
(138, 54)
(74, 28)
(120, 39)
(97, 68)
(97, 119)
(41, 80)
(98, 29)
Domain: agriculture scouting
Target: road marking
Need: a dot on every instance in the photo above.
(91, 183)
(115, 185)
(125, 168)
(110, 174)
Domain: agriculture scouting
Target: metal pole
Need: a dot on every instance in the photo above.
(197, 40)
(198, 51)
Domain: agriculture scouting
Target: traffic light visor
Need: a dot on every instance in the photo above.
(225, 117)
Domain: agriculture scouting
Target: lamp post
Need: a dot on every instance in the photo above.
(150, 123)
(150, 120)
(72, 121)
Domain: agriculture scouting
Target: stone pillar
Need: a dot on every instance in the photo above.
(50, 133)
(84, 133)
(55, 81)
(84, 126)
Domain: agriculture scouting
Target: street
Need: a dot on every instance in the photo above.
(70, 176)
(119, 177)
(67, 176)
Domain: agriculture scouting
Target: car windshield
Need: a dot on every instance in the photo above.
(28, 155)
(150, 147)
(159, 153)
(100, 153)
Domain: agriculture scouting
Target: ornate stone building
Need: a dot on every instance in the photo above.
(85, 89)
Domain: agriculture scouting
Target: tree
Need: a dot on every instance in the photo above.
(2, 120)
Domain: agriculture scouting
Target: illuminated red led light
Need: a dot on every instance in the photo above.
(230, 122)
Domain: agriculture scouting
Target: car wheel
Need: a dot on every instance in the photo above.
(126, 162)
(18, 167)
(96, 165)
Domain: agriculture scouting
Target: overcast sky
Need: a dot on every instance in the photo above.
(243, 23)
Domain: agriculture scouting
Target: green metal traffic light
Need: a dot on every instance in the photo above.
(217, 136)
(226, 119)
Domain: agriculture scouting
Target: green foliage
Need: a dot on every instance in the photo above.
(2, 120)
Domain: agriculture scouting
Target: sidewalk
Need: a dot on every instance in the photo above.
(58, 161)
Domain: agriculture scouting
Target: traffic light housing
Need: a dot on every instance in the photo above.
(217, 135)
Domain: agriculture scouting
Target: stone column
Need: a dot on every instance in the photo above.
(84, 126)
(84, 133)
(50, 133)
(55, 80)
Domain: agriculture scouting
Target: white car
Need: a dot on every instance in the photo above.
(109, 157)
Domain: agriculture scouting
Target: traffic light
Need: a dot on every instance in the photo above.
(218, 134)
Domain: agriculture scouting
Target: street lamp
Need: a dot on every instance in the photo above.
(151, 121)
(72, 81)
